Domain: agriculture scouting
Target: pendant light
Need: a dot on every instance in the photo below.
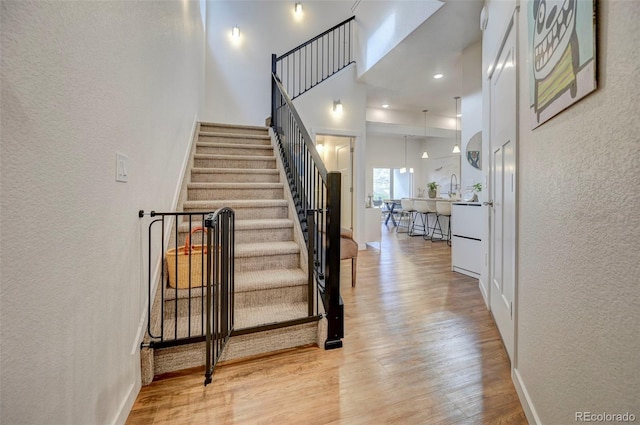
(425, 155)
(404, 169)
(456, 147)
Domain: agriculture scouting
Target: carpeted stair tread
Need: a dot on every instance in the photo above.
(273, 313)
(234, 186)
(255, 224)
(266, 249)
(247, 136)
(234, 170)
(228, 156)
(249, 281)
(183, 326)
(235, 203)
(233, 145)
(269, 279)
(273, 223)
(245, 318)
(232, 126)
(231, 175)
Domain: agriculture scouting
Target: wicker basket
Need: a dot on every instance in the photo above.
(185, 256)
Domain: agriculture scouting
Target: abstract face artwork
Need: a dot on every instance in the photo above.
(562, 70)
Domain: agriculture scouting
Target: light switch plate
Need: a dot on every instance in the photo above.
(122, 168)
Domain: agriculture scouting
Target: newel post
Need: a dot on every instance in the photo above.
(335, 307)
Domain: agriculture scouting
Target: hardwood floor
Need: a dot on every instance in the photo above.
(420, 347)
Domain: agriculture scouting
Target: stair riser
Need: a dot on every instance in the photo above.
(228, 150)
(234, 178)
(210, 128)
(264, 235)
(204, 194)
(178, 358)
(193, 355)
(245, 213)
(277, 339)
(268, 164)
(267, 262)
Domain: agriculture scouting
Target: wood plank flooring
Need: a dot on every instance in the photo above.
(419, 348)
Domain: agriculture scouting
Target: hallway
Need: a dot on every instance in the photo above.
(419, 348)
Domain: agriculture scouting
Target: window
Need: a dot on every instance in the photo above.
(389, 183)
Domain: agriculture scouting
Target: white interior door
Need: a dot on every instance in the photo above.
(503, 190)
(344, 162)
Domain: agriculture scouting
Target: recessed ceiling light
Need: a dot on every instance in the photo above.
(438, 76)
(385, 106)
(459, 115)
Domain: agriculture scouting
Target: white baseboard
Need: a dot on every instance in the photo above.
(485, 296)
(142, 323)
(465, 272)
(127, 402)
(185, 163)
(525, 400)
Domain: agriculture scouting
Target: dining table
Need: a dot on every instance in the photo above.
(391, 205)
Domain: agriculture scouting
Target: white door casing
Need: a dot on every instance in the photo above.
(345, 166)
(502, 174)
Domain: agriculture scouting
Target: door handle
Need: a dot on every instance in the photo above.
(490, 203)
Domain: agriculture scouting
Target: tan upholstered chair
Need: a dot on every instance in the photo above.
(349, 249)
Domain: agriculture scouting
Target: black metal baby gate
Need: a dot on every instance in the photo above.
(194, 301)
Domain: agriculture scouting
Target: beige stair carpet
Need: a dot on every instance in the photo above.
(236, 167)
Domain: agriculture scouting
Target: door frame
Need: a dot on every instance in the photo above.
(357, 175)
(348, 145)
(513, 25)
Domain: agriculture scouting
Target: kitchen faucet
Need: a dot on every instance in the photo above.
(452, 188)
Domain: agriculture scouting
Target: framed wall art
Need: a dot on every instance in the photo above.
(562, 55)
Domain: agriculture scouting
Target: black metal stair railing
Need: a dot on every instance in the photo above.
(307, 65)
(316, 195)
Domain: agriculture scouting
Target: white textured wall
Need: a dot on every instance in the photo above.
(384, 24)
(578, 319)
(80, 81)
(471, 109)
(387, 151)
(410, 118)
(238, 84)
(442, 163)
(316, 110)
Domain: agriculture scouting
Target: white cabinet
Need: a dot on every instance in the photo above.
(373, 225)
(466, 238)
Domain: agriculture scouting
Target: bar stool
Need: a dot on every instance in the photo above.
(442, 209)
(423, 209)
(407, 212)
(432, 209)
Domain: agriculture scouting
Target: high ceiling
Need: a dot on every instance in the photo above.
(403, 79)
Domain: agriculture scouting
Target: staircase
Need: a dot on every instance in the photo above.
(236, 167)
